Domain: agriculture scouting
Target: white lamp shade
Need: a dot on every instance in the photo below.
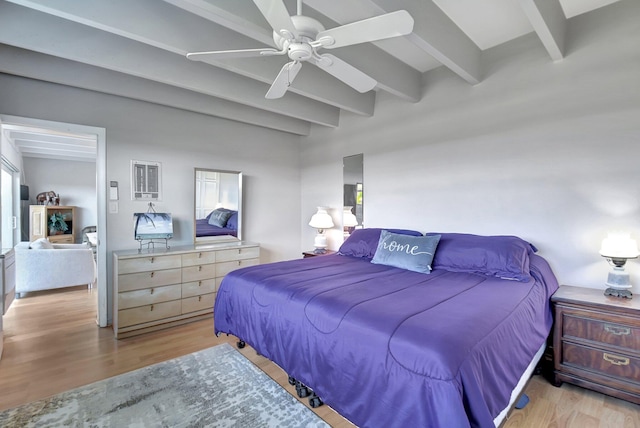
(321, 219)
(348, 218)
(619, 245)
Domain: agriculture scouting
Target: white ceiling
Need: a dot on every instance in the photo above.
(137, 49)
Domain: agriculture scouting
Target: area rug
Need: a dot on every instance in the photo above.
(216, 387)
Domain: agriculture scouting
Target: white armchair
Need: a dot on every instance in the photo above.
(63, 265)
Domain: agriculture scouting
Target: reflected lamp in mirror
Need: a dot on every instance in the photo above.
(617, 248)
(349, 221)
(321, 220)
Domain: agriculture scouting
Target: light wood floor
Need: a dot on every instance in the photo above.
(52, 344)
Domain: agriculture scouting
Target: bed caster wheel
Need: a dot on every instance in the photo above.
(292, 380)
(302, 390)
(241, 344)
(315, 401)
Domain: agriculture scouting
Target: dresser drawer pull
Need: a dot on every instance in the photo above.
(152, 259)
(239, 262)
(199, 298)
(199, 283)
(151, 308)
(199, 255)
(617, 330)
(615, 360)
(152, 273)
(239, 251)
(199, 268)
(151, 291)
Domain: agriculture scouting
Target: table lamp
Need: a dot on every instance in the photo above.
(617, 247)
(321, 220)
(349, 221)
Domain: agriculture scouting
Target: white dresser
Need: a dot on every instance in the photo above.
(155, 289)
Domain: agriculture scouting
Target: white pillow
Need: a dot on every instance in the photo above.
(41, 244)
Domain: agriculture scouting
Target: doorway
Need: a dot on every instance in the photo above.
(60, 130)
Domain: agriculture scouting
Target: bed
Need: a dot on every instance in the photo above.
(391, 346)
(223, 226)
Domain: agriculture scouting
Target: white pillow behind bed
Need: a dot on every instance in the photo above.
(41, 244)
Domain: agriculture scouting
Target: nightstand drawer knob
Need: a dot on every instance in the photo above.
(615, 360)
(617, 330)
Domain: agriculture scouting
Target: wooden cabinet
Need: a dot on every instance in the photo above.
(597, 342)
(39, 216)
(157, 289)
(7, 285)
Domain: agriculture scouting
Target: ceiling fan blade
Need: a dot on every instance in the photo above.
(240, 53)
(278, 17)
(287, 73)
(346, 73)
(393, 24)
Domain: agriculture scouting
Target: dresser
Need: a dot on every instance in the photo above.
(155, 289)
(7, 285)
(597, 341)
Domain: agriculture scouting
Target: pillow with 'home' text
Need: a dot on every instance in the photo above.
(414, 253)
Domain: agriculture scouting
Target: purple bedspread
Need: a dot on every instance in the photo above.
(387, 347)
(203, 228)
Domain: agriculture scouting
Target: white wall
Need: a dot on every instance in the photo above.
(181, 140)
(75, 182)
(546, 151)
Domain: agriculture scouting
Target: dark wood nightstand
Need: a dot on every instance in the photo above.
(597, 342)
(306, 254)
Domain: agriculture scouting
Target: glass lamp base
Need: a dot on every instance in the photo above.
(319, 251)
(617, 292)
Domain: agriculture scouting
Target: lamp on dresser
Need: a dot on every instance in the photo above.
(321, 220)
(617, 247)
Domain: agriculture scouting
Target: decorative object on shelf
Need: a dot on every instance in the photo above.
(617, 247)
(47, 198)
(321, 220)
(349, 221)
(152, 226)
(57, 224)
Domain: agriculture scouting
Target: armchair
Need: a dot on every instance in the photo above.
(60, 265)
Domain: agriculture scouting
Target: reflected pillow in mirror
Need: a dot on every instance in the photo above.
(232, 223)
(364, 242)
(504, 257)
(219, 217)
(413, 253)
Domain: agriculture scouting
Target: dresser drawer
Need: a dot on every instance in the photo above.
(199, 272)
(598, 331)
(137, 281)
(148, 263)
(224, 268)
(238, 254)
(147, 313)
(147, 296)
(198, 303)
(198, 288)
(198, 258)
(603, 362)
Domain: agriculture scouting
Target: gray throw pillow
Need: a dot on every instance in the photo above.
(414, 253)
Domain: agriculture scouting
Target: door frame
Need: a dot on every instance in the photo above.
(101, 195)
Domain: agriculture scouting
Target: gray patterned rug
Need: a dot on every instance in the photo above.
(216, 387)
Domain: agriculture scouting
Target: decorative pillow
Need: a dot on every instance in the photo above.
(41, 244)
(364, 242)
(413, 253)
(500, 256)
(232, 223)
(219, 217)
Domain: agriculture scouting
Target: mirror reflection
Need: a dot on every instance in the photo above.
(218, 205)
(353, 195)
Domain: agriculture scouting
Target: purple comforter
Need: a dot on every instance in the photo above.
(387, 347)
(203, 228)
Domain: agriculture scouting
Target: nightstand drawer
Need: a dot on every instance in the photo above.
(598, 331)
(600, 361)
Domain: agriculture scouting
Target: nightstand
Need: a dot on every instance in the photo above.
(596, 341)
(307, 254)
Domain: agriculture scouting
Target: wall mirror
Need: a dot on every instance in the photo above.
(353, 195)
(218, 205)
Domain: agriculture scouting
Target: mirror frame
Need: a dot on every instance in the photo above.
(221, 238)
(353, 166)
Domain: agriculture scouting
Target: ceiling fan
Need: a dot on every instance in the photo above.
(300, 37)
